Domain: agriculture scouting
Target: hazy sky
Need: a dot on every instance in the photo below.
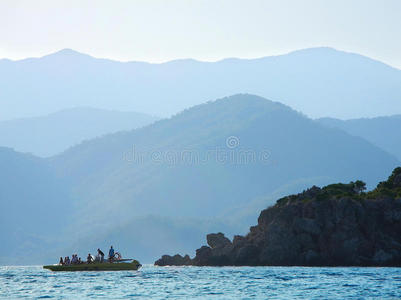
(158, 31)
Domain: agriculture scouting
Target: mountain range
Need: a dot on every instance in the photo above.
(35, 207)
(208, 168)
(52, 134)
(320, 82)
(380, 131)
(190, 156)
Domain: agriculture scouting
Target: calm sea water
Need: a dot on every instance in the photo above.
(205, 283)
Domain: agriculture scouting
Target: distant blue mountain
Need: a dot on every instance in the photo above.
(52, 134)
(207, 162)
(130, 165)
(212, 167)
(35, 207)
(382, 131)
(320, 82)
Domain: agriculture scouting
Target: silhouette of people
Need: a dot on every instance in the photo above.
(101, 254)
(111, 253)
(89, 259)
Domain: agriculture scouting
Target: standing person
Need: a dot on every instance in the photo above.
(101, 254)
(89, 258)
(111, 253)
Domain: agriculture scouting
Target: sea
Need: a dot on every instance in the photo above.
(150, 282)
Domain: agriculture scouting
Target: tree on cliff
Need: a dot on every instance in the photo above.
(359, 186)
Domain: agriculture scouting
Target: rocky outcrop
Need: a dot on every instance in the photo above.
(397, 181)
(176, 260)
(218, 252)
(217, 240)
(337, 225)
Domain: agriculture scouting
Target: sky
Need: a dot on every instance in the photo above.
(158, 31)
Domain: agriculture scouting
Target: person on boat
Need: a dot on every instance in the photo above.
(101, 254)
(67, 260)
(79, 261)
(74, 259)
(61, 261)
(89, 259)
(111, 253)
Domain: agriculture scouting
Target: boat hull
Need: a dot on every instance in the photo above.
(106, 266)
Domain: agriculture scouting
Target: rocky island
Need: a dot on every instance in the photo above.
(337, 225)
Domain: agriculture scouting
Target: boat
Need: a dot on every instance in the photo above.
(120, 265)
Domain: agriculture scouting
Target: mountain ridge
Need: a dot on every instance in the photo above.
(207, 126)
(53, 133)
(308, 80)
(72, 52)
(243, 150)
(372, 129)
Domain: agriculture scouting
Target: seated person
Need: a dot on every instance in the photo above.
(61, 261)
(74, 259)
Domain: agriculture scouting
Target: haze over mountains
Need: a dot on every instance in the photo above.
(35, 207)
(51, 134)
(320, 82)
(207, 168)
(383, 132)
(148, 186)
(285, 147)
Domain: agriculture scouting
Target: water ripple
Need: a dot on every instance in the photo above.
(203, 283)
